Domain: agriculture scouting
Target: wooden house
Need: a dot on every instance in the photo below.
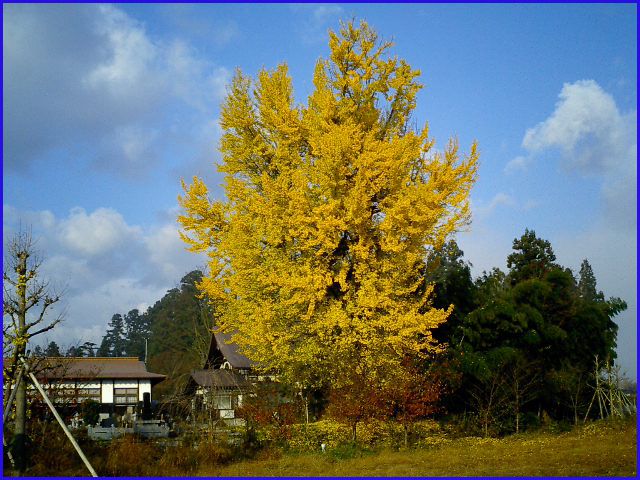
(118, 384)
(227, 376)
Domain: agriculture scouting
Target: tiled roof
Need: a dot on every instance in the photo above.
(220, 378)
(54, 368)
(230, 350)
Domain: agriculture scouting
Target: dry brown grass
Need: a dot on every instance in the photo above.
(596, 450)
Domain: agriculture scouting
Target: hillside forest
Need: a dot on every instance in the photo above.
(520, 345)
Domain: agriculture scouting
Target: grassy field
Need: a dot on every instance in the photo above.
(601, 448)
(598, 449)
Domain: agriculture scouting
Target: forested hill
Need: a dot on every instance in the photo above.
(176, 328)
(538, 328)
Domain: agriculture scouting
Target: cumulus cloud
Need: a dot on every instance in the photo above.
(131, 58)
(103, 264)
(92, 75)
(594, 138)
(96, 233)
(588, 127)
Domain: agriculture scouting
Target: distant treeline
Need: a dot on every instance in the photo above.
(176, 329)
(519, 344)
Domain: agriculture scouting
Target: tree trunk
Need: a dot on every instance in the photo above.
(486, 424)
(353, 432)
(406, 435)
(517, 405)
(20, 431)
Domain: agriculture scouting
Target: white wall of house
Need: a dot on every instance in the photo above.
(106, 387)
(145, 387)
(107, 391)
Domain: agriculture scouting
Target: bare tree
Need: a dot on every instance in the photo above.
(522, 384)
(26, 302)
(488, 397)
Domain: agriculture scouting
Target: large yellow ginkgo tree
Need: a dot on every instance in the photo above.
(317, 256)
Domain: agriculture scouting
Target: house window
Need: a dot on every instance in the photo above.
(88, 394)
(61, 393)
(222, 402)
(125, 396)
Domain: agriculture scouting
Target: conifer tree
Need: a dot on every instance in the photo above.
(587, 283)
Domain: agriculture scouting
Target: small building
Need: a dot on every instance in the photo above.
(228, 376)
(224, 354)
(218, 392)
(118, 384)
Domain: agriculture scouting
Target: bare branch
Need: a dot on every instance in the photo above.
(8, 279)
(35, 295)
(48, 301)
(47, 328)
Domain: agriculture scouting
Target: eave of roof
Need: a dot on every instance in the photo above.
(86, 368)
(230, 351)
(220, 378)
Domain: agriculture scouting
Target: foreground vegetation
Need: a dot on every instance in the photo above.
(607, 449)
(602, 448)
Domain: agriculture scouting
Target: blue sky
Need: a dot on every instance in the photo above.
(106, 108)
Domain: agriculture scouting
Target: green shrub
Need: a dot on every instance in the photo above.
(371, 434)
(90, 411)
(349, 450)
(309, 437)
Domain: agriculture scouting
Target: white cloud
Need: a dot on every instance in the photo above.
(195, 80)
(168, 252)
(594, 137)
(97, 233)
(583, 109)
(131, 55)
(92, 76)
(103, 264)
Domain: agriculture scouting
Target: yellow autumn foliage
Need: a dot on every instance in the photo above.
(318, 253)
